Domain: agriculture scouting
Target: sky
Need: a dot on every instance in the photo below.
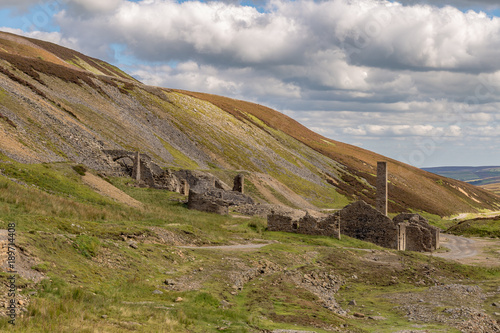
(414, 80)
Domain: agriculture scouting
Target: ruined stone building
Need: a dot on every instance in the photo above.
(205, 191)
(406, 231)
(303, 223)
(145, 172)
(359, 220)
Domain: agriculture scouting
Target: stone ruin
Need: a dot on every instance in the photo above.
(416, 234)
(144, 171)
(303, 222)
(359, 220)
(217, 200)
(205, 191)
(209, 194)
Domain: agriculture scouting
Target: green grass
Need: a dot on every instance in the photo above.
(96, 282)
(180, 159)
(480, 227)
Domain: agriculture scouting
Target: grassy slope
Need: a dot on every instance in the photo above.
(77, 238)
(478, 227)
(41, 50)
(410, 187)
(495, 187)
(66, 109)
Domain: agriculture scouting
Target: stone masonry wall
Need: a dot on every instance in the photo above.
(361, 221)
(302, 223)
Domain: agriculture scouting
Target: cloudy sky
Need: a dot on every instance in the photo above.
(418, 81)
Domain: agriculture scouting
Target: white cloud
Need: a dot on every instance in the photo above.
(95, 6)
(349, 69)
(78, 7)
(239, 83)
(53, 37)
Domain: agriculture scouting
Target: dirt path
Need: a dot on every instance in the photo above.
(471, 251)
(104, 188)
(236, 247)
(460, 247)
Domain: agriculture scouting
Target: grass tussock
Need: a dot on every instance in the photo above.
(479, 227)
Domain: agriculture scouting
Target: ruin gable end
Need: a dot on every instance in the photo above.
(301, 222)
(361, 221)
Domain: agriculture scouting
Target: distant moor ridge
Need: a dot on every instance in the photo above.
(58, 105)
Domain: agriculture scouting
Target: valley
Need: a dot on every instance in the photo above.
(100, 249)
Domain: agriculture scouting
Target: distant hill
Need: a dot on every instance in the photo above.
(483, 175)
(58, 105)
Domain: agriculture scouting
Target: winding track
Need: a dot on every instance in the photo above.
(460, 247)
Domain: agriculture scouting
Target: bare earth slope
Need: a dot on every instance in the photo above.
(59, 105)
(103, 187)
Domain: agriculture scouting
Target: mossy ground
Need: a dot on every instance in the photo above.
(96, 282)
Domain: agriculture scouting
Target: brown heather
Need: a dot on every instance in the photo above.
(410, 187)
(166, 123)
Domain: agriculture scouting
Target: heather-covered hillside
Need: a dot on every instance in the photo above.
(59, 105)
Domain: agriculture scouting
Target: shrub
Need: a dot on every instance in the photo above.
(80, 169)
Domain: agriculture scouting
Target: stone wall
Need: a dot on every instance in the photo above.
(420, 236)
(142, 168)
(205, 203)
(301, 222)
(217, 200)
(201, 181)
(361, 221)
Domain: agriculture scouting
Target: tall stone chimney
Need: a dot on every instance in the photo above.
(136, 171)
(382, 187)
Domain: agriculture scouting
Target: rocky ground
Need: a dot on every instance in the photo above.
(457, 305)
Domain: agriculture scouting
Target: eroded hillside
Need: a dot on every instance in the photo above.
(59, 105)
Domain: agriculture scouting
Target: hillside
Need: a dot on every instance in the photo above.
(58, 105)
(480, 176)
(94, 252)
(87, 263)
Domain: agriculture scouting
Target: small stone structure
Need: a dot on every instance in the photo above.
(303, 223)
(201, 181)
(205, 203)
(239, 183)
(381, 200)
(136, 171)
(418, 234)
(359, 220)
(143, 170)
(217, 200)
